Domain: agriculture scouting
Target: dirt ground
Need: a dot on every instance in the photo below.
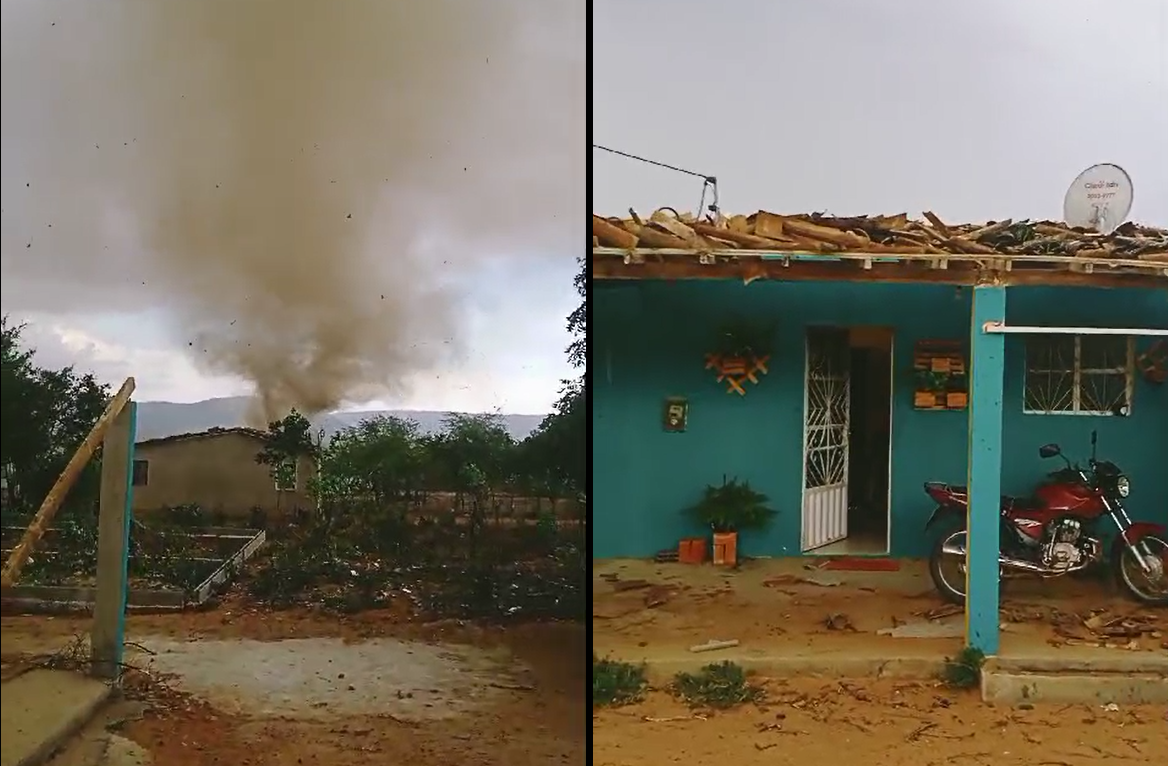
(646, 610)
(807, 721)
(533, 715)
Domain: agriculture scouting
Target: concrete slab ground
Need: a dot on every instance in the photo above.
(97, 745)
(1096, 679)
(42, 710)
(1013, 688)
(642, 611)
(791, 617)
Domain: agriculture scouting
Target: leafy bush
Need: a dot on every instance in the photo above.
(720, 686)
(964, 670)
(617, 683)
(731, 507)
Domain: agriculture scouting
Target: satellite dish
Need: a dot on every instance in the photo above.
(1099, 198)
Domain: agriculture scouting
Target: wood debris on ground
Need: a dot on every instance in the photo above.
(620, 586)
(714, 645)
(838, 621)
(658, 595)
(1122, 626)
(941, 612)
(1102, 629)
(788, 579)
(821, 233)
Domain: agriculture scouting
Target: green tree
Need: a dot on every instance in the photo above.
(578, 319)
(380, 458)
(46, 415)
(555, 455)
(473, 454)
(286, 442)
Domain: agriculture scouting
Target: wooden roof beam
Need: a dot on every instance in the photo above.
(918, 272)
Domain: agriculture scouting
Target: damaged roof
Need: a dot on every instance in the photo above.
(929, 243)
(253, 433)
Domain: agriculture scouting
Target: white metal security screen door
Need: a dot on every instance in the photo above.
(825, 439)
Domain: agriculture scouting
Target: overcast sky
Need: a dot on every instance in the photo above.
(974, 110)
(391, 193)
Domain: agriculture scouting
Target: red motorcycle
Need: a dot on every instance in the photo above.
(1055, 532)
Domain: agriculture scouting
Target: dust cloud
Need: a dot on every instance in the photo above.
(306, 186)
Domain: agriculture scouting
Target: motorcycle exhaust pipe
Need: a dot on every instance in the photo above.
(1017, 565)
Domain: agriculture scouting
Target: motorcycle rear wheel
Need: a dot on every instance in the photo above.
(950, 587)
(1157, 547)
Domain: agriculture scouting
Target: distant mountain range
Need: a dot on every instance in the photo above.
(159, 419)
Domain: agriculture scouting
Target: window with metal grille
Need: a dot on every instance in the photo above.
(1078, 374)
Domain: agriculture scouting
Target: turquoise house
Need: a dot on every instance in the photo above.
(875, 378)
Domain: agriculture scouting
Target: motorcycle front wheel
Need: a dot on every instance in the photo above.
(947, 569)
(1149, 586)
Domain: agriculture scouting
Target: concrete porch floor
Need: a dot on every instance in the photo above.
(790, 616)
(42, 710)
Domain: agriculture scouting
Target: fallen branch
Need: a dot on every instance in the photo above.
(919, 732)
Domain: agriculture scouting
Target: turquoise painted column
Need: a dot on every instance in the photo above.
(986, 375)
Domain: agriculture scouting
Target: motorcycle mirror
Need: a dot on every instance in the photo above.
(1049, 450)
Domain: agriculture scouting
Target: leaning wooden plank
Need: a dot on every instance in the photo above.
(844, 239)
(65, 482)
(768, 225)
(904, 238)
(806, 244)
(738, 223)
(611, 235)
(934, 236)
(891, 222)
(750, 241)
(989, 230)
(650, 237)
(966, 246)
(671, 224)
(938, 224)
(722, 244)
(1053, 230)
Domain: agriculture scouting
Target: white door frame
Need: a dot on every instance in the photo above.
(835, 494)
(891, 419)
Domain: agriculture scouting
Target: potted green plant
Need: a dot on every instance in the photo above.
(728, 509)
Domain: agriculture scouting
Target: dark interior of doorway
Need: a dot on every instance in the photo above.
(870, 428)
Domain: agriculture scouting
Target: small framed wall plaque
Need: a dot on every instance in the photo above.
(676, 414)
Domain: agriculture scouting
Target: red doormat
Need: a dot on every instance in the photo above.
(862, 564)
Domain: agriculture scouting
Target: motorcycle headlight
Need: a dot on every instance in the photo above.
(1122, 486)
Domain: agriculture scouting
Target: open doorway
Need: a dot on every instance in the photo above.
(870, 439)
(856, 521)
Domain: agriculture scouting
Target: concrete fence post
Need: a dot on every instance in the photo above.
(113, 545)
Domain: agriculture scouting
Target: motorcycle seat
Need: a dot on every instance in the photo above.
(1020, 503)
(1009, 502)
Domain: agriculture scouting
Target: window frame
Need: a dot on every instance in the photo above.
(295, 477)
(1077, 371)
(145, 472)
